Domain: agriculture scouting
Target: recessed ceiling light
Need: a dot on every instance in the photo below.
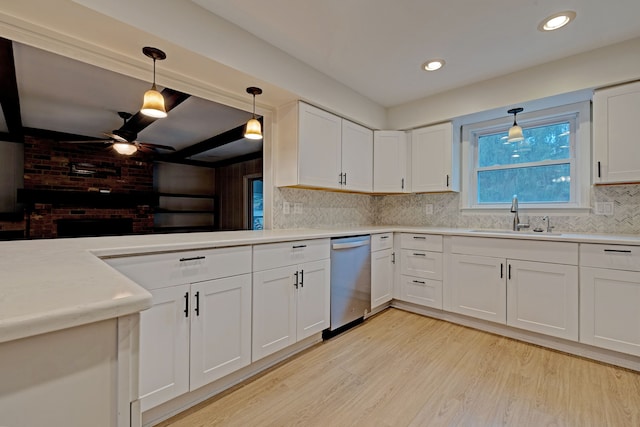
(433, 64)
(557, 20)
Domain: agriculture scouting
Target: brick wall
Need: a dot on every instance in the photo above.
(47, 166)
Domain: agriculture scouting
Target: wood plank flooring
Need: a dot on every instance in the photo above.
(403, 369)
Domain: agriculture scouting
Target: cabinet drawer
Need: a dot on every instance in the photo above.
(174, 268)
(381, 241)
(422, 264)
(420, 291)
(610, 256)
(425, 242)
(274, 255)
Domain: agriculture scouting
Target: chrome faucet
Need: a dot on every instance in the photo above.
(516, 220)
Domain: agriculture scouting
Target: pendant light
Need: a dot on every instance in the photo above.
(253, 130)
(515, 131)
(153, 105)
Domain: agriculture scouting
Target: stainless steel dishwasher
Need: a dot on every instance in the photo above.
(350, 280)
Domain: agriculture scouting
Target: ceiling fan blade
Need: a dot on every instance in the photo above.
(114, 137)
(89, 141)
(156, 146)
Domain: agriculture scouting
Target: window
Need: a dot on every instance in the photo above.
(549, 169)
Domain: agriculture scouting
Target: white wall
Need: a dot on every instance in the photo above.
(597, 68)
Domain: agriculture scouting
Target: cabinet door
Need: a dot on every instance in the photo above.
(381, 277)
(164, 346)
(421, 291)
(390, 162)
(357, 157)
(274, 311)
(543, 298)
(615, 114)
(320, 136)
(478, 287)
(431, 159)
(313, 297)
(609, 313)
(220, 328)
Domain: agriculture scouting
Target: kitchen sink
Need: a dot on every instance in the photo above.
(524, 233)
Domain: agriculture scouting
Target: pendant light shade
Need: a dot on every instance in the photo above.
(515, 131)
(253, 129)
(153, 104)
(125, 148)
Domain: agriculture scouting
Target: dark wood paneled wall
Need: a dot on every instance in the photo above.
(229, 189)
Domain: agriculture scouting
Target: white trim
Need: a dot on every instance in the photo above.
(579, 114)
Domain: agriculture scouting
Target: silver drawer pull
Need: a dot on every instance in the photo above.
(384, 237)
(193, 258)
(419, 254)
(419, 281)
(620, 251)
(299, 246)
(420, 237)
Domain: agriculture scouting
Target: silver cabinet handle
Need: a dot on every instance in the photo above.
(186, 304)
(419, 254)
(296, 282)
(419, 281)
(384, 237)
(393, 257)
(193, 258)
(197, 309)
(420, 237)
(619, 251)
(298, 246)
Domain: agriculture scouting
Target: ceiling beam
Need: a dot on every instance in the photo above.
(9, 98)
(213, 165)
(137, 122)
(224, 138)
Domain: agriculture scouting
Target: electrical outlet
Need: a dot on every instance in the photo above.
(604, 208)
(297, 208)
(286, 208)
(428, 209)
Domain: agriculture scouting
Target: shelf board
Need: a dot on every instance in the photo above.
(192, 196)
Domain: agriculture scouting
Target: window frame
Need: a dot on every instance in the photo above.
(579, 116)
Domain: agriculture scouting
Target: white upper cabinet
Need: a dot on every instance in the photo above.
(434, 159)
(390, 159)
(615, 114)
(318, 149)
(357, 157)
(320, 146)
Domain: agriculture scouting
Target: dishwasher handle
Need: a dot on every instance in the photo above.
(349, 245)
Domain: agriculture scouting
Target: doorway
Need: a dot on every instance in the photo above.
(254, 202)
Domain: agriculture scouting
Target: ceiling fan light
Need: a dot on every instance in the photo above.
(153, 105)
(125, 148)
(253, 130)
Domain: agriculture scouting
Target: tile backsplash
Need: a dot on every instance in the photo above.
(410, 210)
(333, 209)
(321, 209)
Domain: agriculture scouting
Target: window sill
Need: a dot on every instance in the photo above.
(552, 211)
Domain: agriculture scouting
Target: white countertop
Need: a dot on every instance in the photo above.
(48, 285)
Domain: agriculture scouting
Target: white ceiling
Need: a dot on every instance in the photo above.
(376, 47)
(64, 95)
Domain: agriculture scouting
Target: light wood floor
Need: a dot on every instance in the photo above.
(402, 369)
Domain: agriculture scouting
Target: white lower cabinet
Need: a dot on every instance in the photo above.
(164, 346)
(536, 288)
(382, 271)
(543, 297)
(421, 269)
(610, 297)
(478, 287)
(220, 329)
(194, 333)
(290, 302)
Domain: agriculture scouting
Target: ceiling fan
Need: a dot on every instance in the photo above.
(125, 141)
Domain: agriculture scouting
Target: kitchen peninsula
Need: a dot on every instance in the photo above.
(69, 316)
